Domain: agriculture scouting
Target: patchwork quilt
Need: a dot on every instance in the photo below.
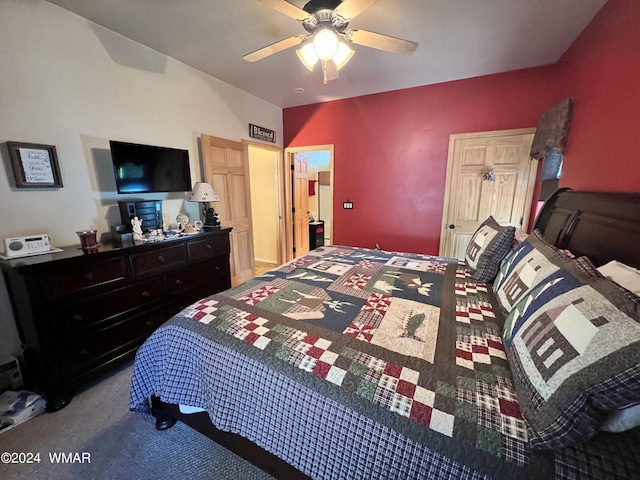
(393, 362)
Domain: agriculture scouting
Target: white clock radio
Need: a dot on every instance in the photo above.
(21, 246)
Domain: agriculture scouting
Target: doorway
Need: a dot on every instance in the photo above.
(266, 186)
(319, 160)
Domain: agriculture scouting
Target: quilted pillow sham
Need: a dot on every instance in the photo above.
(488, 247)
(573, 344)
(526, 266)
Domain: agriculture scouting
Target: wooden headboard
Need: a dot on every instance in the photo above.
(604, 226)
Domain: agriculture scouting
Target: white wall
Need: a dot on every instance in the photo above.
(67, 82)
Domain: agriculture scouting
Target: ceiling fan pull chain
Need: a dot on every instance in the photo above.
(324, 71)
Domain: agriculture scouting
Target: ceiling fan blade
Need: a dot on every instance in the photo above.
(349, 9)
(381, 42)
(287, 8)
(274, 48)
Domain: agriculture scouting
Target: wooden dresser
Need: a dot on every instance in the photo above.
(80, 315)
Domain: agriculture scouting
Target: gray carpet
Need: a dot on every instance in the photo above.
(121, 445)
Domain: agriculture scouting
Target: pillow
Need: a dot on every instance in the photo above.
(526, 266)
(622, 274)
(573, 344)
(488, 246)
(520, 236)
(622, 419)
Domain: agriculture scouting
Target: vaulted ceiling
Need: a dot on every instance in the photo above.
(457, 39)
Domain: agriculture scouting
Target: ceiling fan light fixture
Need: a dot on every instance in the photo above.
(308, 56)
(342, 55)
(325, 43)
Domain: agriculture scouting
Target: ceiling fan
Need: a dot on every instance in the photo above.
(327, 39)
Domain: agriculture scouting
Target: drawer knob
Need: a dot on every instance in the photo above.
(89, 276)
(160, 259)
(178, 282)
(77, 317)
(84, 352)
(146, 294)
(217, 268)
(150, 323)
(209, 247)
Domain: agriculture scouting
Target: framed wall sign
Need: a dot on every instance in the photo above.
(34, 165)
(262, 133)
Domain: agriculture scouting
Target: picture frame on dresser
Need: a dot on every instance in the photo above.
(34, 165)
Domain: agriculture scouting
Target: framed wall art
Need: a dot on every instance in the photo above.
(34, 165)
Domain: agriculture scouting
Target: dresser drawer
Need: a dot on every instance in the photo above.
(200, 275)
(146, 211)
(100, 309)
(151, 204)
(77, 279)
(85, 352)
(209, 248)
(157, 260)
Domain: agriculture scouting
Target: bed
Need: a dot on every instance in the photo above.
(360, 363)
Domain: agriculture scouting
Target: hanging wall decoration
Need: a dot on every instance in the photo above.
(34, 165)
(552, 131)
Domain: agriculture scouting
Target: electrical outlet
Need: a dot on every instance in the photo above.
(348, 205)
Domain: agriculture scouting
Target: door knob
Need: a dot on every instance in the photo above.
(452, 226)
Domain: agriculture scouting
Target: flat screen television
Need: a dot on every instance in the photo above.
(147, 169)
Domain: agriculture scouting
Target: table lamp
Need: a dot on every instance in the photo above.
(203, 192)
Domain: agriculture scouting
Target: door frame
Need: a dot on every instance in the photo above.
(280, 189)
(289, 154)
(450, 159)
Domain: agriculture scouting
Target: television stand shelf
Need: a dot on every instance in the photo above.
(81, 315)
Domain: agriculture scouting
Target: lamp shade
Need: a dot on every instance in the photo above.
(325, 44)
(342, 55)
(309, 57)
(203, 192)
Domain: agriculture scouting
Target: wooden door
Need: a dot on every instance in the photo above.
(300, 207)
(226, 169)
(488, 173)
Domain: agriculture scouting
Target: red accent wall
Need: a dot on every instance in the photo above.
(391, 148)
(601, 71)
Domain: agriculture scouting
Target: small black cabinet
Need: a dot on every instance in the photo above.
(149, 212)
(316, 234)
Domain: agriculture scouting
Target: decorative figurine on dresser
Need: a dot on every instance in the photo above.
(136, 226)
(81, 315)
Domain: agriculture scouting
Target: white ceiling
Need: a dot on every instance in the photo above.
(457, 39)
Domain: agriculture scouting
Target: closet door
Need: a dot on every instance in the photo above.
(488, 173)
(227, 170)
